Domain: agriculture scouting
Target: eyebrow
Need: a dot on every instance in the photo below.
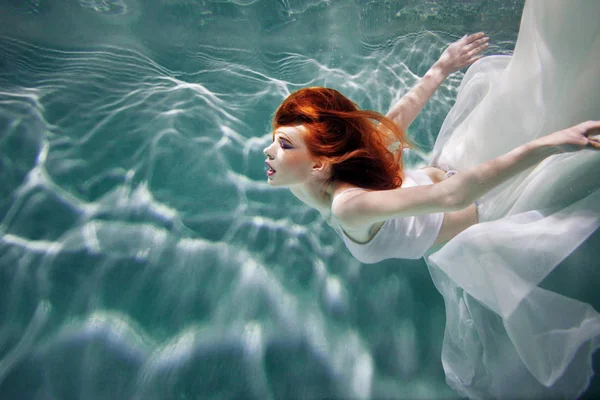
(284, 137)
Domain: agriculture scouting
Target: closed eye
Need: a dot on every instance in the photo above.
(284, 145)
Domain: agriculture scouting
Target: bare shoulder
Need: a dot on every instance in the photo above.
(345, 209)
(343, 205)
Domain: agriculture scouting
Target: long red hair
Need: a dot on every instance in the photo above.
(355, 142)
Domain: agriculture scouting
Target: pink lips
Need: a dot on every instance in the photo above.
(269, 169)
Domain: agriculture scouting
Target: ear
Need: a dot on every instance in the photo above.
(319, 165)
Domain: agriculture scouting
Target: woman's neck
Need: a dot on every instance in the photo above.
(317, 194)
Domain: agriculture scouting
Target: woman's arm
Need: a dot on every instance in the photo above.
(458, 55)
(461, 190)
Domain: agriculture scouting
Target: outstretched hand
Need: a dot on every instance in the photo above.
(463, 52)
(580, 136)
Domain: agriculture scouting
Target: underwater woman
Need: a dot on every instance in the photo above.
(511, 190)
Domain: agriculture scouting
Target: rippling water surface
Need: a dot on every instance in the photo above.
(142, 253)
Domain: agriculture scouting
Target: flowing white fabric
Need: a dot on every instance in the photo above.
(506, 337)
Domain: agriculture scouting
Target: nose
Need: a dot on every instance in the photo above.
(266, 151)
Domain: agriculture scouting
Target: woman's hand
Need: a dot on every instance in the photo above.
(463, 52)
(585, 134)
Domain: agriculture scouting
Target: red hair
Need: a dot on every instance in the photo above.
(355, 142)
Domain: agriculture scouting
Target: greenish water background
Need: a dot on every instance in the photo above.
(142, 253)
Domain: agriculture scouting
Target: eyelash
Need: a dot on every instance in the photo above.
(284, 145)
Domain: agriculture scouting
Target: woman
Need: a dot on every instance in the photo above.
(505, 336)
(335, 158)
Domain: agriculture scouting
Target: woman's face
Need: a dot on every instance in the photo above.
(288, 160)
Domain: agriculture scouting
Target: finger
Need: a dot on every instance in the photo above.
(592, 128)
(473, 59)
(593, 132)
(594, 143)
(476, 50)
(475, 36)
(591, 124)
(479, 42)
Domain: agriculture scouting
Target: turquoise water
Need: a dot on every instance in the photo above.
(144, 256)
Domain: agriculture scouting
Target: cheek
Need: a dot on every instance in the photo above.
(298, 161)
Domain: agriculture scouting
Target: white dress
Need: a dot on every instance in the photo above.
(403, 237)
(506, 337)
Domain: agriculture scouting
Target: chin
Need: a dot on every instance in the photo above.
(276, 182)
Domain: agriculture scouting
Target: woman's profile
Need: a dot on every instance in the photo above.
(509, 193)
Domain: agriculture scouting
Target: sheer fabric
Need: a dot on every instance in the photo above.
(505, 336)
